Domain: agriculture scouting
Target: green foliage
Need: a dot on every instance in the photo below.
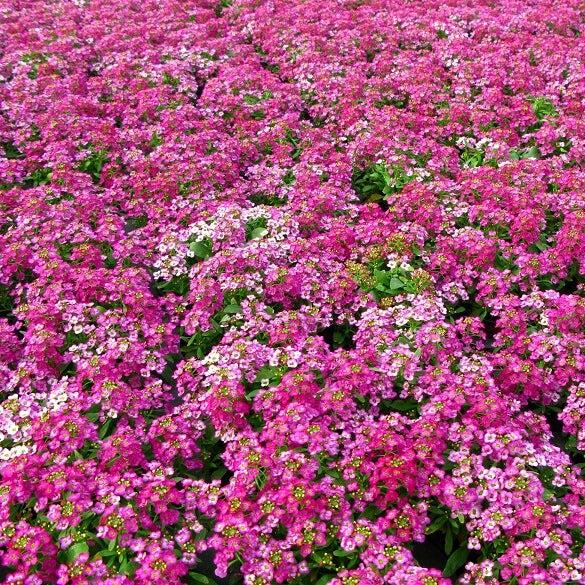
(6, 305)
(35, 59)
(59, 198)
(107, 428)
(199, 578)
(289, 177)
(256, 420)
(267, 376)
(398, 102)
(11, 152)
(256, 228)
(409, 407)
(178, 285)
(202, 342)
(378, 182)
(155, 141)
(168, 79)
(221, 6)
(543, 108)
(65, 250)
(291, 139)
(258, 114)
(468, 308)
(397, 281)
(185, 187)
(107, 250)
(452, 529)
(339, 336)
(472, 157)
(456, 561)
(93, 164)
(253, 100)
(74, 551)
(136, 222)
(566, 285)
(212, 448)
(72, 338)
(265, 199)
(37, 178)
(202, 249)
(562, 146)
(532, 152)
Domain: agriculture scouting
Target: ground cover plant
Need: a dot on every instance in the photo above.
(292, 292)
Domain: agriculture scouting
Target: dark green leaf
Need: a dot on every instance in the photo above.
(199, 578)
(107, 428)
(343, 553)
(449, 541)
(437, 524)
(74, 551)
(456, 561)
(202, 249)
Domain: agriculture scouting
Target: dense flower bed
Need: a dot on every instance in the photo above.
(296, 286)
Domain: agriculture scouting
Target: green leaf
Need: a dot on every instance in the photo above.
(93, 164)
(136, 222)
(37, 177)
(258, 232)
(178, 285)
(542, 246)
(449, 541)
(372, 512)
(532, 152)
(289, 177)
(343, 553)
(252, 99)
(11, 152)
(107, 428)
(219, 473)
(74, 551)
(258, 115)
(253, 227)
(403, 405)
(437, 524)
(156, 140)
(543, 108)
(324, 579)
(93, 413)
(201, 249)
(127, 567)
(168, 79)
(261, 478)
(396, 283)
(199, 578)
(456, 561)
(252, 393)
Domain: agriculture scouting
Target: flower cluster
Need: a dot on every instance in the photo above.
(292, 292)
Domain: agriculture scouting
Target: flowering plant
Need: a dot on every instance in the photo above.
(292, 292)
